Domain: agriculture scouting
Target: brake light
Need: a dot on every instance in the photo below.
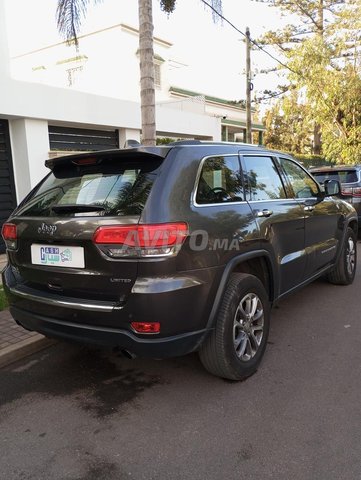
(162, 239)
(146, 327)
(9, 233)
(85, 161)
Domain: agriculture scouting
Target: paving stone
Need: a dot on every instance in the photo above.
(10, 332)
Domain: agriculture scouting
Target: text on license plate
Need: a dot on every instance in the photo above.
(57, 255)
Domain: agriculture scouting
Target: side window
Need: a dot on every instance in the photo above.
(220, 181)
(303, 184)
(263, 181)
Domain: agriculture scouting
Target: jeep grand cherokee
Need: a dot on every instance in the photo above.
(162, 251)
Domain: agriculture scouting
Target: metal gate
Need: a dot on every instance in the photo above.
(7, 184)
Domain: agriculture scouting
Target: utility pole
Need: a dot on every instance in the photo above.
(248, 87)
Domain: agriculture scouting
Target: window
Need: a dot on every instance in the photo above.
(263, 181)
(157, 74)
(302, 183)
(113, 188)
(72, 75)
(343, 176)
(220, 181)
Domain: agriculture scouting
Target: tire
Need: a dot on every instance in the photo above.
(345, 269)
(219, 352)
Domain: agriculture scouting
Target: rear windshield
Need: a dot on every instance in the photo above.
(343, 176)
(113, 190)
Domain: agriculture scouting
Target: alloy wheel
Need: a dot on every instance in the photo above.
(350, 256)
(248, 325)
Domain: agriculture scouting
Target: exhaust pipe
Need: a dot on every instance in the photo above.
(125, 353)
(128, 354)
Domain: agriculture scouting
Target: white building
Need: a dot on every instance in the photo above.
(91, 70)
(57, 99)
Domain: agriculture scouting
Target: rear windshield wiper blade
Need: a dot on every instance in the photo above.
(77, 208)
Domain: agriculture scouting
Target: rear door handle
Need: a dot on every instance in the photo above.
(264, 213)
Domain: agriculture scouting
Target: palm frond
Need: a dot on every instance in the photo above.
(168, 6)
(69, 17)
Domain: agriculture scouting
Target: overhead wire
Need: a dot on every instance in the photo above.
(256, 44)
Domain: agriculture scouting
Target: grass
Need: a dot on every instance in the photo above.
(3, 300)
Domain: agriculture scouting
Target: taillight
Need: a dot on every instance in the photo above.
(351, 191)
(356, 192)
(346, 191)
(9, 234)
(154, 240)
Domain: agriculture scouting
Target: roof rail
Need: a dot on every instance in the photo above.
(186, 142)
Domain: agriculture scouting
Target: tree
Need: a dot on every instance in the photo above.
(71, 13)
(289, 126)
(333, 92)
(322, 54)
(312, 22)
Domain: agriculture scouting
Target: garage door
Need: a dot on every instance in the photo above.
(81, 139)
(7, 186)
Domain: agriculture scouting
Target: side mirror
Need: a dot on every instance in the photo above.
(332, 187)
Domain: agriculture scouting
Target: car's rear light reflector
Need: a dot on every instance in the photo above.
(9, 233)
(142, 240)
(146, 327)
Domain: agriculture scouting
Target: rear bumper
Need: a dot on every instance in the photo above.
(153, 347)
(181, 304)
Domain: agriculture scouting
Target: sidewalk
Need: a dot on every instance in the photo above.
(15, 341)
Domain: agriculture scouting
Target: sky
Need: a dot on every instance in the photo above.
(213, 54)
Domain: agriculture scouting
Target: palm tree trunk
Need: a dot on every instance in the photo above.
(146, 53)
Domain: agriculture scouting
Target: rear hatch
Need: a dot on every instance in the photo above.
(56, 225)
(348, 179)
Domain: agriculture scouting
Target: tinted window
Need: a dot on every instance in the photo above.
(115, 189)
(220, 181)
(343, 176)
(262, 179)
(302, 183)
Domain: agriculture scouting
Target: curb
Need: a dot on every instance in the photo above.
(24, 349)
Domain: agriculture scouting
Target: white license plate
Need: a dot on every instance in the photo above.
(57, 255)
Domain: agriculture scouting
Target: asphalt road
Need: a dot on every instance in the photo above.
(76, 413)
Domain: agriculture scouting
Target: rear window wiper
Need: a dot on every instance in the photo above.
(77, 208)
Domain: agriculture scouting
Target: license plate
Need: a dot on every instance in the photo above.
(57, 255)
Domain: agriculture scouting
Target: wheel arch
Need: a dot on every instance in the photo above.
(353, 223)
(258, 263)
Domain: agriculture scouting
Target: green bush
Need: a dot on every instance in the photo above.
(166, 140)
(3, 300)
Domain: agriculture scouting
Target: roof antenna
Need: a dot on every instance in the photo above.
(131, 143)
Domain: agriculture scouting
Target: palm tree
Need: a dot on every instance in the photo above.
(70, 14)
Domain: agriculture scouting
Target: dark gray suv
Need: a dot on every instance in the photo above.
(164, 251)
